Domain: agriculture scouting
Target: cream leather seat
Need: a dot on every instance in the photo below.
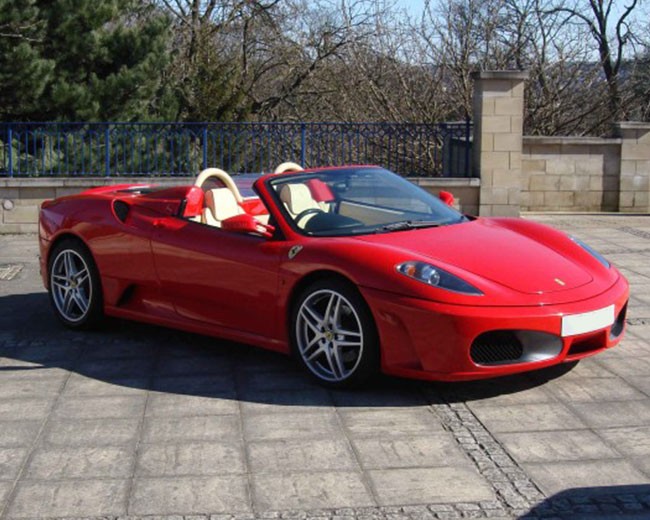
(220, 204)
(297, 198)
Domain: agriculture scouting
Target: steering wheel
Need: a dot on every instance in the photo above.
(223, 177)
(304, 213)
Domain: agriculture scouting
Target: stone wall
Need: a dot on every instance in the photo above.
(634, 191)
(552, 173)
(570, 174)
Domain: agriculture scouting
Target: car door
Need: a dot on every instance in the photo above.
(218, 277)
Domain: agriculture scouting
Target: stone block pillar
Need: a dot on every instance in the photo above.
(634, 185)
(498, 127)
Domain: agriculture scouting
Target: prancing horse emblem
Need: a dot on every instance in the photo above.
(560, 282)
(294, 251)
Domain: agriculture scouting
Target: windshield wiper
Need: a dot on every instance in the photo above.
(408, 224)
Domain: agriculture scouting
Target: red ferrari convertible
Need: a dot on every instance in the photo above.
(350, 269)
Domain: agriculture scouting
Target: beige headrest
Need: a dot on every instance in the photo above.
(223, 204)
(297, 197)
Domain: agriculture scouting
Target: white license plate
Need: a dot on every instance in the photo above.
(587, 322)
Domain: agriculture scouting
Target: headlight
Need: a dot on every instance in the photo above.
(592, 252)
(436, 277)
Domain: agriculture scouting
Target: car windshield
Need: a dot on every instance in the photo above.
(353, 201)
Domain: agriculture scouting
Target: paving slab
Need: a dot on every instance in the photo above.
(389, 423)
(22, 385)
(68, 498)
(599, 389)
(48, 463)
(189, 495)
(430, 450)
(108, 407)
(191, 459)
(184, 429)
(633, 442)
(92, 432)
(324, 489)
(84, 385)
(11, 461)
(291, 425)
(556, 446)
(612, 414)
(170, 405)
(525, 417)
(18, 433)
(429, 485)
(285, 456)
(32, 408)
(554, 477)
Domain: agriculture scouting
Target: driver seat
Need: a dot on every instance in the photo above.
(220, 204)
(297, 198)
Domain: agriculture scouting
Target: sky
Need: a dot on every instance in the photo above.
(414, 7)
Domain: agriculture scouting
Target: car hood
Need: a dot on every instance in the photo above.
(491, 251)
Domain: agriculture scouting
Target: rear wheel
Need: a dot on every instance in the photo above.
(334, 335)
(75, 289)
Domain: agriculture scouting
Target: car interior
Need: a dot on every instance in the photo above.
(216, 198)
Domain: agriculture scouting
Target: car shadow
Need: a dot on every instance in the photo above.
(629, 501)
(139, 356)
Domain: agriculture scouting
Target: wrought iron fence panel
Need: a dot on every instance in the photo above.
(183, 149)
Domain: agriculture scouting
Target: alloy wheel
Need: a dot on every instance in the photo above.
(329, 335)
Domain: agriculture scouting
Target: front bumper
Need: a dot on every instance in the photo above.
(428, 340)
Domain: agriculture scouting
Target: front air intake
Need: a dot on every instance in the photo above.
(496, 348)
(619, 324)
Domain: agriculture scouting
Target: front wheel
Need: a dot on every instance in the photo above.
(334, 335)
(75, 289)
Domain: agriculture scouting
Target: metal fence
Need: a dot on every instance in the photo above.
(179, 149)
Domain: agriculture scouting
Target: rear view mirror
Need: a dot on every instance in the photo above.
(247, 224)
(446, 197)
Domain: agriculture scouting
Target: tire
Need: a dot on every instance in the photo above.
(74, 286)
(333, 334)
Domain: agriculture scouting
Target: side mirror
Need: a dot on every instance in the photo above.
(247, 224)
(446, 197)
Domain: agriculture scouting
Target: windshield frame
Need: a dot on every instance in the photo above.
(272, 181)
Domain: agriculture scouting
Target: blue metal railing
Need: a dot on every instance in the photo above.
(179, 149)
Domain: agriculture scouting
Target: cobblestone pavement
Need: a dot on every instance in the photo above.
(141, 422)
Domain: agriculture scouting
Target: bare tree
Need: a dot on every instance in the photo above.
(612, 32)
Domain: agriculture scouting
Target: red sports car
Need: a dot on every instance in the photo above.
(350, 269)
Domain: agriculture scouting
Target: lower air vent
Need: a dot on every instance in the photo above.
(496, 348)
(619, 324)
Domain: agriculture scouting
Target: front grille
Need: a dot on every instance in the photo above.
(496, 347)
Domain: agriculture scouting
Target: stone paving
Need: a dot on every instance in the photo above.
(142, 422)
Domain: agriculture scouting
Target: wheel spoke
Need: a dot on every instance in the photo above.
(348, 343)
(59, 285)
(58, 278)
(315, 353)
(82, 303)
(68, 299)
(332, 365)
(347, 333)
(337, 361)
(68, 263)
(82, 276)
(312, 319)
(332, 311)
